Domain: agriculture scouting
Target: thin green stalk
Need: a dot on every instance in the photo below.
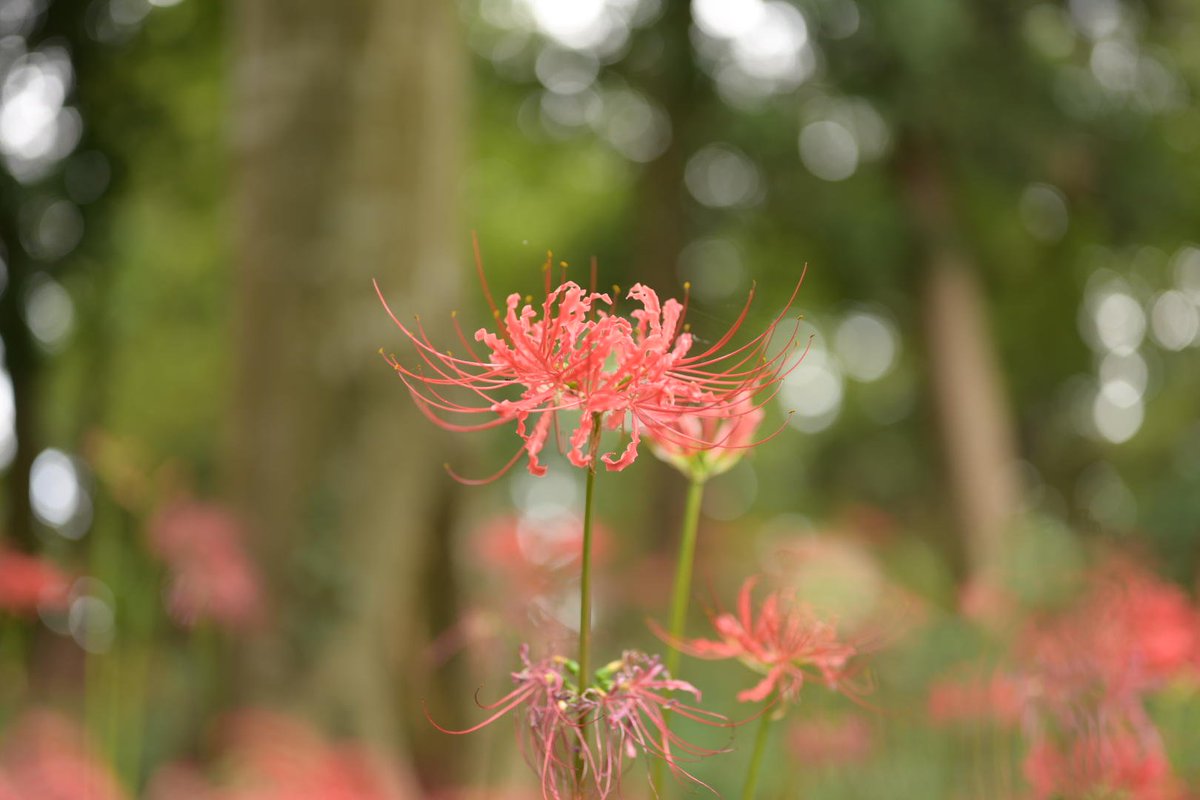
(681, 595)
(585, 584)
(682, 592)
(760, 747)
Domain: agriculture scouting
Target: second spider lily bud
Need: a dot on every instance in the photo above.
(708, 442)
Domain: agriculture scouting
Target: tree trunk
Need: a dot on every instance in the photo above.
(348, 131)
(975, 421)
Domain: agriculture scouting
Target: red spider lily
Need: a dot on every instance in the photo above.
(27, 582)
(581, 741)
(212, 576)
(1084, 675)
(573, 354)
(1099, 765)
(1129, 634)
(709, 442)
(787, 643)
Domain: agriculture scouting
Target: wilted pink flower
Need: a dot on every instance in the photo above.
(27, 582)
(570, 353)
(831, 742)
(212, 576)
(46, 756)
(787, 643)
(709, 442)
(581, 741)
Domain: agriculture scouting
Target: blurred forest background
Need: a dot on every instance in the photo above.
(236, 506)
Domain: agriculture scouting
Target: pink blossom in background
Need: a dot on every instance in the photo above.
(572, 353)
(787, 642)
(529, 565)
(271, 756)
(46, 756)
(831, 742)
(530, 551)
(211, 575)
(999, 698)
(27, 582)
(1129, 634)
(1096, 765)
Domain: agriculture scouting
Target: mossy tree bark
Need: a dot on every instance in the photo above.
(347, 140)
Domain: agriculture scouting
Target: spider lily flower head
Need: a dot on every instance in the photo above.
(580, 741)
(709, 442)
(787, 642)
(572, 353)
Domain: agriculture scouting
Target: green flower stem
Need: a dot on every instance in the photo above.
(681, 595)
(760, 747)
(585, 584)
(682, 592)
(585, 587)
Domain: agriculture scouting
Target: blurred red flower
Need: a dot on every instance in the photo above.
(271, 756)
(46, 756)
(1093, 766)
(27, 582)
(831, 742)
(212, 576)
(999, 698)
(785, 642)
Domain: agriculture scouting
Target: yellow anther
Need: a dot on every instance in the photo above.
(616, 289)
(687, 285)
(453, 314)
(528, 298)
(563, 264)
(687, 326)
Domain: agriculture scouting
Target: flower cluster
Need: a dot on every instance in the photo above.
(581, 740)
(787, 643)
(572, 353)
(1079, 685)
(265, 755)
(1088, 671)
